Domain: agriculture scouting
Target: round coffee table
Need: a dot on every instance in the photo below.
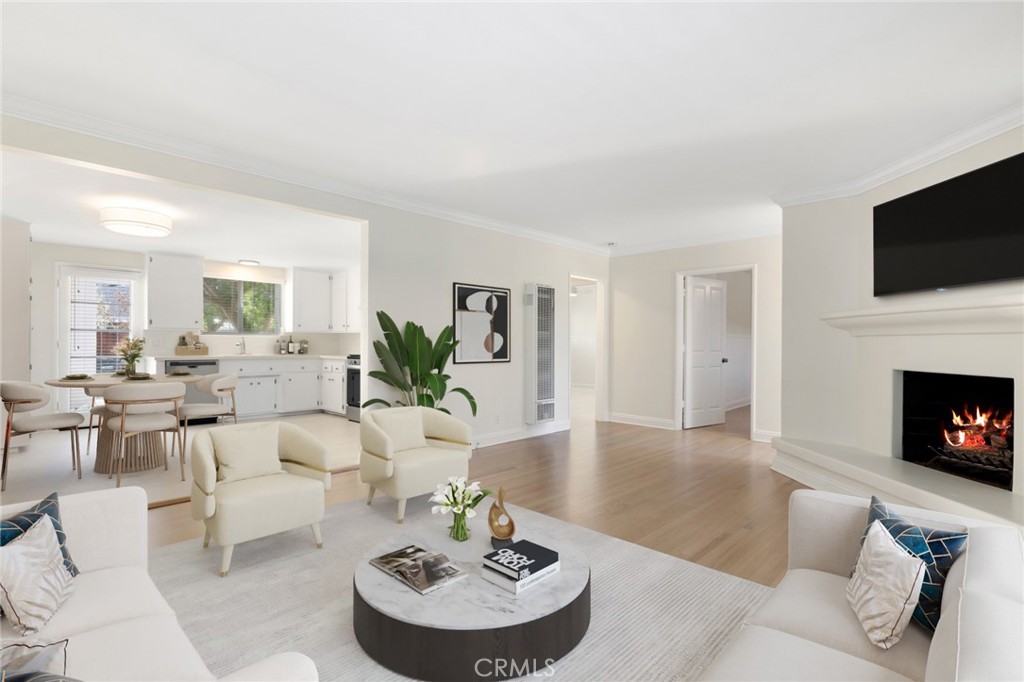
(470, 629)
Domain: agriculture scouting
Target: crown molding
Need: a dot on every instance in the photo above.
(957, 142)
(45, 114)
(697, 240)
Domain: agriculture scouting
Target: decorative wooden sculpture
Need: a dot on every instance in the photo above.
(501, 533)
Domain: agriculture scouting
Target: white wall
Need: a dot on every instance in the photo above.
(643, 336)
(410, 263)
(838, 388)
(413, 263)
(583, 334)
(15, 318)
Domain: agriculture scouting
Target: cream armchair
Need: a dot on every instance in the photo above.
(407, 451)
(255, 480)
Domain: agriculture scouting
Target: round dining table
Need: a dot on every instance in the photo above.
(142, 452)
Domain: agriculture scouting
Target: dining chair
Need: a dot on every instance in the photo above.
(139, 408)
(24, 396)
(97, 411)
(222, 386)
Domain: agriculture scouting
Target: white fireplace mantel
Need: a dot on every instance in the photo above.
(1000, 315)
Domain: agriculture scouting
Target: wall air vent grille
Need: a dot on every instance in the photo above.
(539, 303)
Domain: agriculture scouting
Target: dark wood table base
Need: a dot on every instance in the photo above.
(444, 655)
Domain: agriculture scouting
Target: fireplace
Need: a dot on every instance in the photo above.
(959, 424)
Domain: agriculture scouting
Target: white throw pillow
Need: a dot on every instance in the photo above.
(246, 452)
(34, 656)
(404, 426)
(885, 586)
(33, 580)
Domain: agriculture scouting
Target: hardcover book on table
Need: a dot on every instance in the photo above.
(521, 559)
(516, 586)
(420, 569)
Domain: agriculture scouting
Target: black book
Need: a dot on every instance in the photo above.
(521, 559)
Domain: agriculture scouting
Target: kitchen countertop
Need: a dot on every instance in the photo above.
(247, 356)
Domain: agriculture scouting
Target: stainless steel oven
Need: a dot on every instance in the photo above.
(353, 379)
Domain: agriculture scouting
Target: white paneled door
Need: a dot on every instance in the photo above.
(704, 352)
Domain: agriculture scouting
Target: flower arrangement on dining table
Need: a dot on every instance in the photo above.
(460, 499)
(130, 351)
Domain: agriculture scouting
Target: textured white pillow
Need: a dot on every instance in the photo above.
(246, 452)
(31, 656)
(404, 426)
(884, 588)
(33, 580)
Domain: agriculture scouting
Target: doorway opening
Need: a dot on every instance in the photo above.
(588, 352)
(722, 356)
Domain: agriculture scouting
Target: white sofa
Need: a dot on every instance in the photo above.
(117, 624)
(807, 631)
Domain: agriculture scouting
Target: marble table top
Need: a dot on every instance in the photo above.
(471, 603)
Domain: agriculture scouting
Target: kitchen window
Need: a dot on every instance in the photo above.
(232, 306)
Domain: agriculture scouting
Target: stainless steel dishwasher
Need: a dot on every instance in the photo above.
(193, 394)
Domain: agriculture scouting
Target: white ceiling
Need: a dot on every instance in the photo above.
(62, 203)
(642, 124)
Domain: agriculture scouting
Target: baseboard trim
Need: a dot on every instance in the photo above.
(531, 431)
(736, 404)
(638, 420)
(763, 436)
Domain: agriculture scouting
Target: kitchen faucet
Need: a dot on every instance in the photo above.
(241, 346)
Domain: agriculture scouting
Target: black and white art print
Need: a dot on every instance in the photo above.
(481, 316)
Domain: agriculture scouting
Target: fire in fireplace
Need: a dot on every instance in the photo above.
(959, 424)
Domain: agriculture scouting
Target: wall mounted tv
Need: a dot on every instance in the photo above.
(966, 230)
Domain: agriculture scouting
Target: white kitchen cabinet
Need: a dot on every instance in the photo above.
(174, 292)
(311, 296)
(256, 395)
(332, 386)
(353, 319)
(300, 386)
(339, 301)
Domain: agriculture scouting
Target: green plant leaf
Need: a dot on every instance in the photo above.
(393, 338)
(376, 401)
(468, 396)
(437, 385)
(425, 400)
(419, 354)
(391, 366)
(442, 409)
(443, 348)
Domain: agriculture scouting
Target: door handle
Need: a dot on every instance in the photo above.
(724, 360)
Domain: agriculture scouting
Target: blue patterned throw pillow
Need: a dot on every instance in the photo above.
(938, 549)
(15, 526)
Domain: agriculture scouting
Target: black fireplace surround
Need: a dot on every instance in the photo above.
(931, 437)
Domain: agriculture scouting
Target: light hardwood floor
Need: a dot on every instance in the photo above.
(706, 495)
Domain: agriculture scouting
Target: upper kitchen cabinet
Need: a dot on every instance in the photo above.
(174, 292)
(310, 295)
(320, 301)
(353, 301)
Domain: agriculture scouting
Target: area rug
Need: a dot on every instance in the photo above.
(653, 616)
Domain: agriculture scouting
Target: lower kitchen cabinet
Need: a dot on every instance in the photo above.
(332, 392)
(256, 395)
(300, 392)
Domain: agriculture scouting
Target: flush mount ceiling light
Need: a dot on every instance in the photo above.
(248, 261)
(135, 221)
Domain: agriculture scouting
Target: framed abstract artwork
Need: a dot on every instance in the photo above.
(481, 320)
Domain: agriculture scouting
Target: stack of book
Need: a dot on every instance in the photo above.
(520, 566)
(420, 569)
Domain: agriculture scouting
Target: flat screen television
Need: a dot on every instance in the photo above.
(966, 230)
